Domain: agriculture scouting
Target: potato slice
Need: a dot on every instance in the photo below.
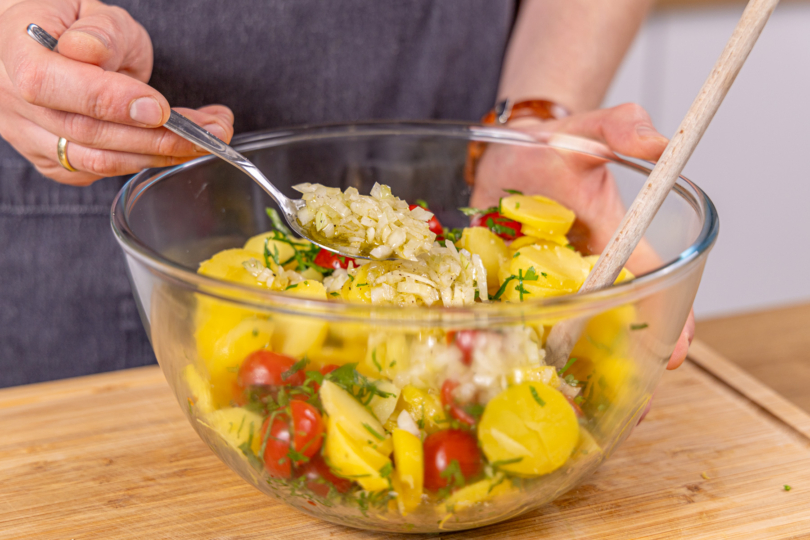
(553, 270)
(478, 492)
(357, 421)
(295, 335)
(425, 408)
(546, 217)
(624, 275)
(410, 471)
(531, 425)
(383, 407)
(235, 425)
(490, 247)
(199, 388)
(349, 459)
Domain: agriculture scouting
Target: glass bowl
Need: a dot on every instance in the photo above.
(529, 444)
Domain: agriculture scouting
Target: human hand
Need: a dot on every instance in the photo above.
(585, 185)
(92, 92)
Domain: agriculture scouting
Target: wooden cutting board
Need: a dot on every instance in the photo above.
(112, 457)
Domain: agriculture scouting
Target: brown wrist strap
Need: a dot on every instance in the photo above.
(503, 112)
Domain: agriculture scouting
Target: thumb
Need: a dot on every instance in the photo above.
(108, 37)
(626, 129)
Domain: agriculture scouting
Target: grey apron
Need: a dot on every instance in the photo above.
(65, 304)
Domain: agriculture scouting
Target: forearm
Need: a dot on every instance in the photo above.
(567, 51)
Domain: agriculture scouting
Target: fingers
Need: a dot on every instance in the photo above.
(626, 129)
(108, 37)
(39, 146)
(682, 346)
(94, 133)
(51, 80)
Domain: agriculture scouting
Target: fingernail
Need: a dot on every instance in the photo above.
(648, 132)
(215, 130)
(146, 110)
(95, 35)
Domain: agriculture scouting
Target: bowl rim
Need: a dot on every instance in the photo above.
(492, 313)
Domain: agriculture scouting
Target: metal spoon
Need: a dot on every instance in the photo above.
(190, 131)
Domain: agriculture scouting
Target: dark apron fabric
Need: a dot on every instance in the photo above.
(66, 308)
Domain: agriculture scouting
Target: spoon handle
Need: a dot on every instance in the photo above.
(190, 131)
(668, 169)
(187, 129)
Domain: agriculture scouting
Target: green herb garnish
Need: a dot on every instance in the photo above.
(298, 366)
(452, 473)
(513, 192)
(503, 462)
(373, 432)
(422, 203)
(641, 326)
(374, 360)
(787, 487)
(537, 397)
(566, 366)
(288, 287)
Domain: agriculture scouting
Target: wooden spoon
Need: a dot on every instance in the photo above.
(662, 178)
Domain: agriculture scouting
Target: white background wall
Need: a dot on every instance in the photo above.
(753, 160)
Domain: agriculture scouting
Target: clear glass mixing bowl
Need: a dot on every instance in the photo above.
(169, 221)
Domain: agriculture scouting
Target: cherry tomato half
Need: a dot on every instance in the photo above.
(442, 448)
(328, 259)
(308, 427)
(319, 477)
(450, 403)
(506, 228)
(306, 436)
(276, 460)
(433, 223)
(266, 368)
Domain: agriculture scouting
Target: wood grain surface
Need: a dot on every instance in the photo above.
(773, 346)
(112, 457)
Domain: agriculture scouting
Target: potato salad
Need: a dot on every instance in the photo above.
(417, 425)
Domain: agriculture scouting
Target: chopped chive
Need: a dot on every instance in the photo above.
(373, 432)
(537, 397)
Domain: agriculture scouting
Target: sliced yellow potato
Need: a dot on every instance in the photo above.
(382, 407)
(624, 275)
(425, 409)
(352, 460)
(295, 335)
(490, 247)
(546, 217)
(478, 492)
(357, 421)
(256, 245)
(357, 289)
(530, 428)
(410, 470)
(542, 270)
(236, 425)
(540, 234)
(228, 265)
(230, 350)
(523, 241)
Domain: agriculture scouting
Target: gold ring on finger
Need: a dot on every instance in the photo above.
(61, 154)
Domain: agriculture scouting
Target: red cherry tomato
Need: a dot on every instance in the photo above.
(506, 228)
(307, 428)
(450, 403)
(464, 340)
(266, 368)
(327, 259)
(276, 460)
(319, 476)
(305, 431)
(442, 448)
(433, 223)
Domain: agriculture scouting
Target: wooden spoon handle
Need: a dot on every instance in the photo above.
(669, 167)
